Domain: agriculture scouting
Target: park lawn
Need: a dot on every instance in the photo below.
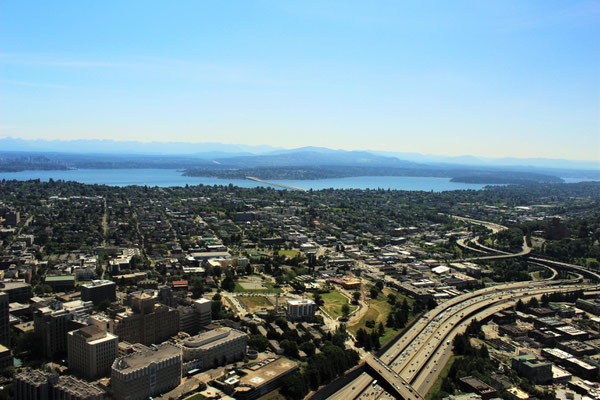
(252, 302)
(333, 302)
(378, 311)
(437, 385)
(270, 288)
(288, 253)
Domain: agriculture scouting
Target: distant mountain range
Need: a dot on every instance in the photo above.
(238, 161)
(211, 151)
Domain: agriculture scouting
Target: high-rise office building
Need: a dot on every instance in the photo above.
(99, 290)
(92, 351)
(53, 322)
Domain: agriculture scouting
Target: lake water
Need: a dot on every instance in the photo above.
(171, 177)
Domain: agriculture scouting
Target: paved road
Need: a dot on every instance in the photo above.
(419, 355)
(498, 227)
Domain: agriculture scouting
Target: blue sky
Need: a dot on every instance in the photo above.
(492, 78)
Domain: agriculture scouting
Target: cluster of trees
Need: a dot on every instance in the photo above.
(567, 297)
(509, 270)
(471, 361)
(291, 341)
(217, 309)
(374, 291)
(333, 360)
(510, 239)
(574, 240)
(370, 341)
(574, 250)
(398, 317)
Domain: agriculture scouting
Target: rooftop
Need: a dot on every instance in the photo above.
(93, 334)
(212, 337)
(138, 360)
(60, 278)
(268, 371)
(98, 282)
(8, 285)
(298, 302)
(77, 388)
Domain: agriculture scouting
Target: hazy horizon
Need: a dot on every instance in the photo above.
(216, 150)
(493, 80)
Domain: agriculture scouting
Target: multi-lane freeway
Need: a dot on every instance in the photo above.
(419, 355)
(416, 359)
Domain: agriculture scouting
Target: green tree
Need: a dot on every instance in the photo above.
(391, 298)
(318, 299)
(374, 292)
(258, 342)
(308, 347)
(197, 289)
(345, 310)
(290, 347)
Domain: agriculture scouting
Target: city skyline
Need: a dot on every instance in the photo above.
(505, 79)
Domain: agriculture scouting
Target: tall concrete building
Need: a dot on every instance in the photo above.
(33, 384)
(4, 320)
(192, 318)
(92, 351)
(203, 308)
(146, 322)
(143, 374)
(215, 347)
(53, 322)
(98, 290)
(17, 291)
(301, 310)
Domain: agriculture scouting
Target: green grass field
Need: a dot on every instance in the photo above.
(253, 302)
(269, 288)
(333, 302)
(288, 253)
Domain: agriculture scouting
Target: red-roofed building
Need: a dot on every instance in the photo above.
(180, 285)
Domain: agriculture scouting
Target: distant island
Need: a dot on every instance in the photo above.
(333, 172)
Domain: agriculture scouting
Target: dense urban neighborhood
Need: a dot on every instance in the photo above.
(220, 292)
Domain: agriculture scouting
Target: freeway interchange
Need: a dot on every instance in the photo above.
(419, 355)
(409, 368)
